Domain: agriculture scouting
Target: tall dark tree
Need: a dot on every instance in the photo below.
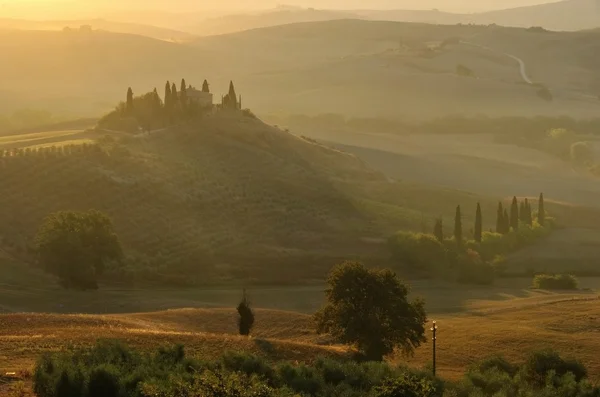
(174, 95)
(514, 214)
(168, 101)
(205, 86)
(129, 100)
(506, 222)
(478, 224)
(522, 210)
(438, 230)
(183, 94)
(500, 220)
(458, 226)
(246, 320)
(541, 210)
(528, 216)
(231, 97)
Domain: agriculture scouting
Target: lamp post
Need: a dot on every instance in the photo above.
(434, 331)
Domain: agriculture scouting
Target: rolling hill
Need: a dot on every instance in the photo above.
(97, 24)
(225, 199)
(512, 328)
(565, 15)
(352, 67)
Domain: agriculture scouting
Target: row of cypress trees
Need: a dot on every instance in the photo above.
(519, 213)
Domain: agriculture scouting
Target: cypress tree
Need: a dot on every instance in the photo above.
(205, 87)
(438, 230)
(528, 218)
(246, 320)
(506, 222)
(129, 99)
(478, 224)
(174, 96)
(500, 219)
(514, 214)
(541, 210)
(183, 93)
(232, 96)
(521, 211)
(458, 226)
(168, 95)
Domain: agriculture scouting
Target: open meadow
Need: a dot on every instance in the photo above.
(508, 319)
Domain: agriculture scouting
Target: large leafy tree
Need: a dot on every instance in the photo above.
(369, 308)
(77, 246)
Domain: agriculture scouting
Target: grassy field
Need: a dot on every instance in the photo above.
(511, 327)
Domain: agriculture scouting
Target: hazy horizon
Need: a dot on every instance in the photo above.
(47, 9)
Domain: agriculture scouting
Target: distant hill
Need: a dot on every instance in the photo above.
(561, 15)
(565, 15)
(352, 67)
(282, 16)
(98, 24)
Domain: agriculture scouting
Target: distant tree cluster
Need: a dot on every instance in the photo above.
(472, 261)
(149, 112)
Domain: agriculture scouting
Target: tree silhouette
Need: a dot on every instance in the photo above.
(369, 308)
(129, 106)
(168, 95)
(174, 96)
(500, 228)
(205, 87)
(183, 94)
(514, 214)
(541, 210)
(458, 226)
(438, 230)
(246, 320)
(478, 224)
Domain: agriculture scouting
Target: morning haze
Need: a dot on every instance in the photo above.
(314, 199)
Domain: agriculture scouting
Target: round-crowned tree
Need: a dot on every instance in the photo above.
(369, 309)
(76, 247)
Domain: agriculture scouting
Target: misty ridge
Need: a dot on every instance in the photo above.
(299, 200)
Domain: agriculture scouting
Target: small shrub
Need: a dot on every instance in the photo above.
(542, 363)
(104, 382)
(555, 282)
(406, 385)
(464, 71)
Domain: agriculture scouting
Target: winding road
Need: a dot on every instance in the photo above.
(522, 66)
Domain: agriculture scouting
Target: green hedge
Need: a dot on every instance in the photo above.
(113, 370)
(555, 282)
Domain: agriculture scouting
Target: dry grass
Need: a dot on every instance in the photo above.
(206, 333)
(567, 323)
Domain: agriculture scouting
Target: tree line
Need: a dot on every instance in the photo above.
(520, 213)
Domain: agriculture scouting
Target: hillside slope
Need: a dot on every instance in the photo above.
(224, 198)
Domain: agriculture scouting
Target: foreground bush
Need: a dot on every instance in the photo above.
(555, 282)
(111, 369)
